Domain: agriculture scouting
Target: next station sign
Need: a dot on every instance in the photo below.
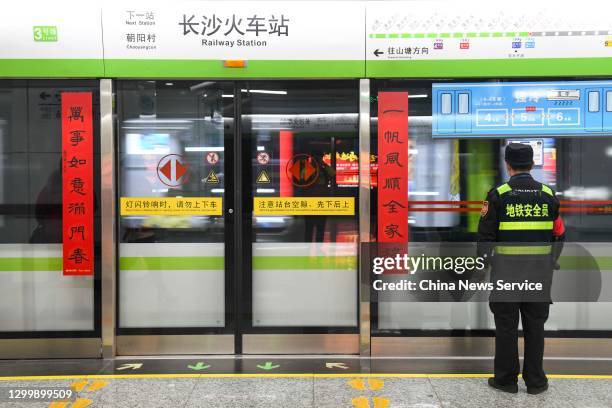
(568, 108)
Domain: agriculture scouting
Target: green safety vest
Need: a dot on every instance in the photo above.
(525, 220)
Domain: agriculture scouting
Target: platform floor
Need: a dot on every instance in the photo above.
(276, 381)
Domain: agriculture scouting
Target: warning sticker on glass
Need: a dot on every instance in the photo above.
(304, 206)
(171, 206)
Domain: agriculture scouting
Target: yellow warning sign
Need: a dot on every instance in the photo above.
(171, 206)
(212, 178)
(304, 206)
(263, 177)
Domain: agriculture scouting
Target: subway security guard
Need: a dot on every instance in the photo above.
(525, 211)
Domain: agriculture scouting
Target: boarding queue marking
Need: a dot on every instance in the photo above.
(81, 386)
(372, 384)
(199, 366)
(336, 365)
(288, 375)
(268, 366)
(133, 366)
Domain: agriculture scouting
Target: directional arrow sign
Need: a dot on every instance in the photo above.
(173, 170)
(378, 52)
(199, 366)
(336, 365)
(302, 170)
(268, 366)
(133, 366)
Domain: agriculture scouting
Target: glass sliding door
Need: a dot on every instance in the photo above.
(175, 280)
(238, 222)
(300, 156)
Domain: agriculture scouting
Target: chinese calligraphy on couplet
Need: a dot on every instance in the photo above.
(77, 183)
(393, 167)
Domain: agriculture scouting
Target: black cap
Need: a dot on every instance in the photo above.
(519, 155)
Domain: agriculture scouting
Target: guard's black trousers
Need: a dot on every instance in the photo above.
(507, 367)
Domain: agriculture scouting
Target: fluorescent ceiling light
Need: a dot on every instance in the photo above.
(201, 85)
(157, 121)
(270, 220)
(423, 193)
(418, 96)
(264, 91)
(205, 149)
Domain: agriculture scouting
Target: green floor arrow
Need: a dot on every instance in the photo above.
(199, 366)
(268, 366)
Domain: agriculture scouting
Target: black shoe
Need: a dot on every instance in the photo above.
(537, 390)
(511, 388)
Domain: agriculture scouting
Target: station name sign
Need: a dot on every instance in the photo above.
(490, 109)
(218, 30)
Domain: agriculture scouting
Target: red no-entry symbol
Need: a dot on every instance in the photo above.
(302, 170)
(172, 170)
(212, 158)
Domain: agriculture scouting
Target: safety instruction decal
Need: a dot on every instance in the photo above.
(304, 206)
(143, 206)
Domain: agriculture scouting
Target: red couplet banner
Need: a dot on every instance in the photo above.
(77, 183)
(393, 167)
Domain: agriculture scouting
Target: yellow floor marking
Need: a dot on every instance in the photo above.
(297, 375)
(357, 384)
(58, 404)
(361, 402)
(380, 402)
(79, 385)
(81, 403)
(97, 385)
(375, 384)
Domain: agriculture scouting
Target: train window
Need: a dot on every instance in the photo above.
(608, 101)
(593, 101)
(464, 103)
(446, 104)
